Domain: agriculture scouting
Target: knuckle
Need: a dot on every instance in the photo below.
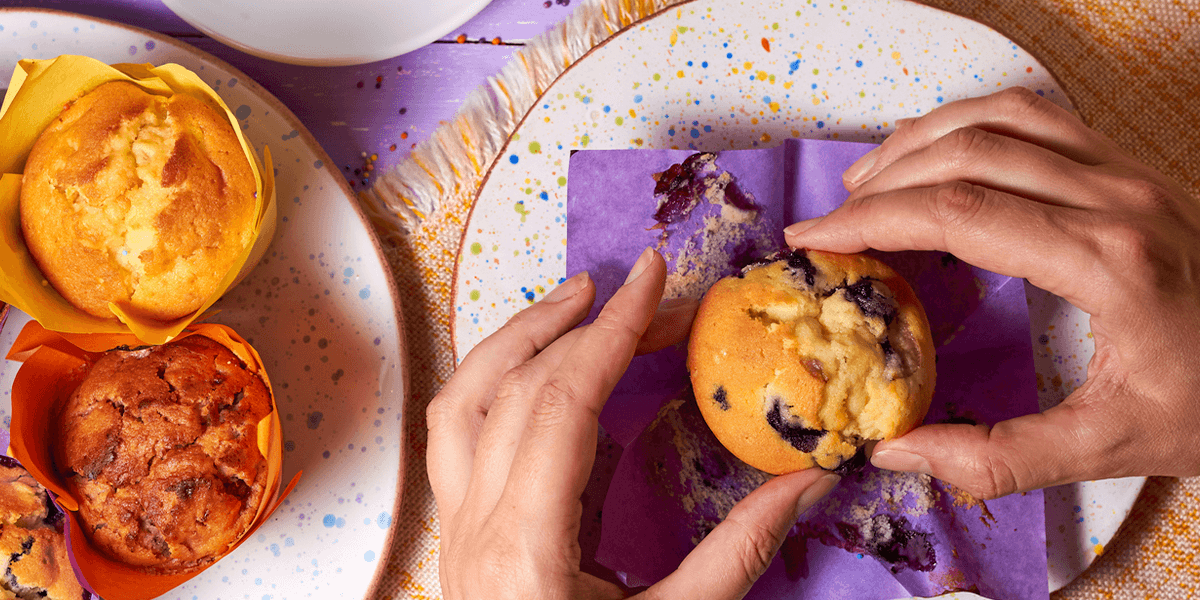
(1000, 480)
(987, 478)
(517, 337)
(1020, 102)
(1131, 250)
(556, 402)
(617, 327)
(754, 548)
(965, 147)
(515, 383)
(440, 412)
(1149, 195)
(958, 203)
(1124, 241)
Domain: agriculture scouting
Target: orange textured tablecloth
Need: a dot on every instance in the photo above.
(1132, 69)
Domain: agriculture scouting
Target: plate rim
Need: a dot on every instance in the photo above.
(306, 136)
(445, 26)
(462, 238)
(455, 288)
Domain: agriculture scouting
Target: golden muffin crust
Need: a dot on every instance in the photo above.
(35, 564)
(799, 362)
(140, 200)
(160, 445)
(22, 499)
(33, 552)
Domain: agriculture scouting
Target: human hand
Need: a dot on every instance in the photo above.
(512, 438)
(1014, 184)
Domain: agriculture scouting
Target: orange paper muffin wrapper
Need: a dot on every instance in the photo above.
(54, 365)
(37, 94)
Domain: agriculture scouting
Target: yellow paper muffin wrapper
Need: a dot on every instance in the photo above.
(53, 367)
(38, 92)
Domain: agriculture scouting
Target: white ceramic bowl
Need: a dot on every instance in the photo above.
(326, 32)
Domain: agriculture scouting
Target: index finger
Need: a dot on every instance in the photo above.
(989, 229)
(1014, 112)
(558, 446)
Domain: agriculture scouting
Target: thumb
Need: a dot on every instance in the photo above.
(737, 552)
(1061, 445)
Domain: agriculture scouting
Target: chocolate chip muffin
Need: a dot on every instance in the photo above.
(33, 552)
(140, 200)
(802, 359)
(160, 446)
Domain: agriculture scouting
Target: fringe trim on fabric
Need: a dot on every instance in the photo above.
(458, 153)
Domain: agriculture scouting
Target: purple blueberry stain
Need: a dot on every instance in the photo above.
(800, 437)
(893, 540)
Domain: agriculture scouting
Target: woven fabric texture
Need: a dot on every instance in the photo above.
(1131, 67)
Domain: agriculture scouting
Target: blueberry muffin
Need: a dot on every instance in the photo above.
(800, 360)
(160, 447)
(33, 552)
(22, 499)
(140, 200)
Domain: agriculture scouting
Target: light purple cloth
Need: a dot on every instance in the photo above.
(674, 482)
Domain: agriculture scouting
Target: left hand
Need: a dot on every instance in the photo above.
(512, 438)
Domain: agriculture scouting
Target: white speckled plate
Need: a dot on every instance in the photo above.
(322, 311)
(720, 74)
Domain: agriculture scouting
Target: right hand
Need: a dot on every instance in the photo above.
(1014, 184)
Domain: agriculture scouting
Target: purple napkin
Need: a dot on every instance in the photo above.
(879, 534)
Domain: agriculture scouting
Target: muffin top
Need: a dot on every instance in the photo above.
(799, 361)
(160, 446)
(140, 200)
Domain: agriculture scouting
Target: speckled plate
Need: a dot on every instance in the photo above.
(322, 311)
(725, 74)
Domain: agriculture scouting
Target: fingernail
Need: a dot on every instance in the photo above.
(905, 121)
(567, 288)
(898, 460)
(859, 169)
(816, 491)
(798, 228)
(676, 303)
(643, 261)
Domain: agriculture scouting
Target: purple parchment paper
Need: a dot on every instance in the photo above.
(879, 535)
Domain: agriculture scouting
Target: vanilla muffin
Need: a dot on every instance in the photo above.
(801, 360)
(160, 447)
(140, 200)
